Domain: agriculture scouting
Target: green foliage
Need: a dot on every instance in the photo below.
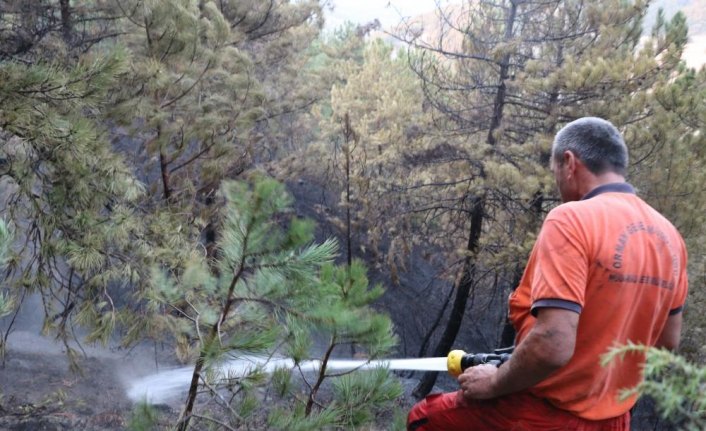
(345, 312)
(71, 194)
(299, 342)
(266, 274)
(7, 302)
(269, 287)
(197, 99)
(262, 269)
(364, 394)
(367, 127)
(299, 420)
(248, 406)
(195, 92)
(5, 242)
(144, 418)
(282, 382)
(670, 174)
(281, 50)
(676, 385)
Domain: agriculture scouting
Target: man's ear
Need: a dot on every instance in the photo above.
(569, 162)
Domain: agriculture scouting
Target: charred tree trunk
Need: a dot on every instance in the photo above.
(349, 136)
(65, 20)
(462, 291)
(507, 337)
(504, 76)
(164, 168)
(468, 278)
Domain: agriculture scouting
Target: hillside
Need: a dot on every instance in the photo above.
(145, 225)
(695, 11)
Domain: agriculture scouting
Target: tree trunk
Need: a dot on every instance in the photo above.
(507, 337)
(164, 169)
(349, 135)
(321, 377)
(504, 75)
(65, 19)
(469, 266)
(462, 291)
(183, 424)
(213, 335)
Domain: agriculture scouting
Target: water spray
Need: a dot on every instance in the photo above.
(169, 384)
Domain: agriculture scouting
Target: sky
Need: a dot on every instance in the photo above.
(389, 12)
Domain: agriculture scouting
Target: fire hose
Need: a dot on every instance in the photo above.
(458, 360)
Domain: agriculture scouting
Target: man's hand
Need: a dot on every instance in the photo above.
(479, 382)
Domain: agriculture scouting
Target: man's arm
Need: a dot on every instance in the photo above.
(669, 338)
(548, 346)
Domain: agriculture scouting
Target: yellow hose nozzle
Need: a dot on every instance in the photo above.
(453, 362)
(458, 360)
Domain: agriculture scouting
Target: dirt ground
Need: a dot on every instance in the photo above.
(39, 392)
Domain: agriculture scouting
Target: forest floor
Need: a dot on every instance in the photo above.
(38, 391)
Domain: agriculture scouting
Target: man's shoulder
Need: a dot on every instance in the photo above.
(615, 209)
(620, 202)
(599, 212)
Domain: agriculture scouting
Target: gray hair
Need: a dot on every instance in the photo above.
(594, 141)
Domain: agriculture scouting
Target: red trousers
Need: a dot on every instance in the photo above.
(515, 412)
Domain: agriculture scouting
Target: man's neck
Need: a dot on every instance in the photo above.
(593, 181)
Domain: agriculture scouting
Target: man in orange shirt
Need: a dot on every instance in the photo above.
(606, 269)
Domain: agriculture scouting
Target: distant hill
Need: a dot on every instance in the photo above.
(695, 11)
(429, 26)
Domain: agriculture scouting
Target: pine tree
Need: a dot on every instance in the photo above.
(674, 383)
(196, 98)
(51, 29)
(180, 75)
(267, 292)
(198, 114)
(670, 176)
(69, 196)
(264, 274)
(214, 79)
(345, 316)
(278, 36)
(370, 124)
(382, 104)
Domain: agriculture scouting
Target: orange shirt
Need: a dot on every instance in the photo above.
(622, 266)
